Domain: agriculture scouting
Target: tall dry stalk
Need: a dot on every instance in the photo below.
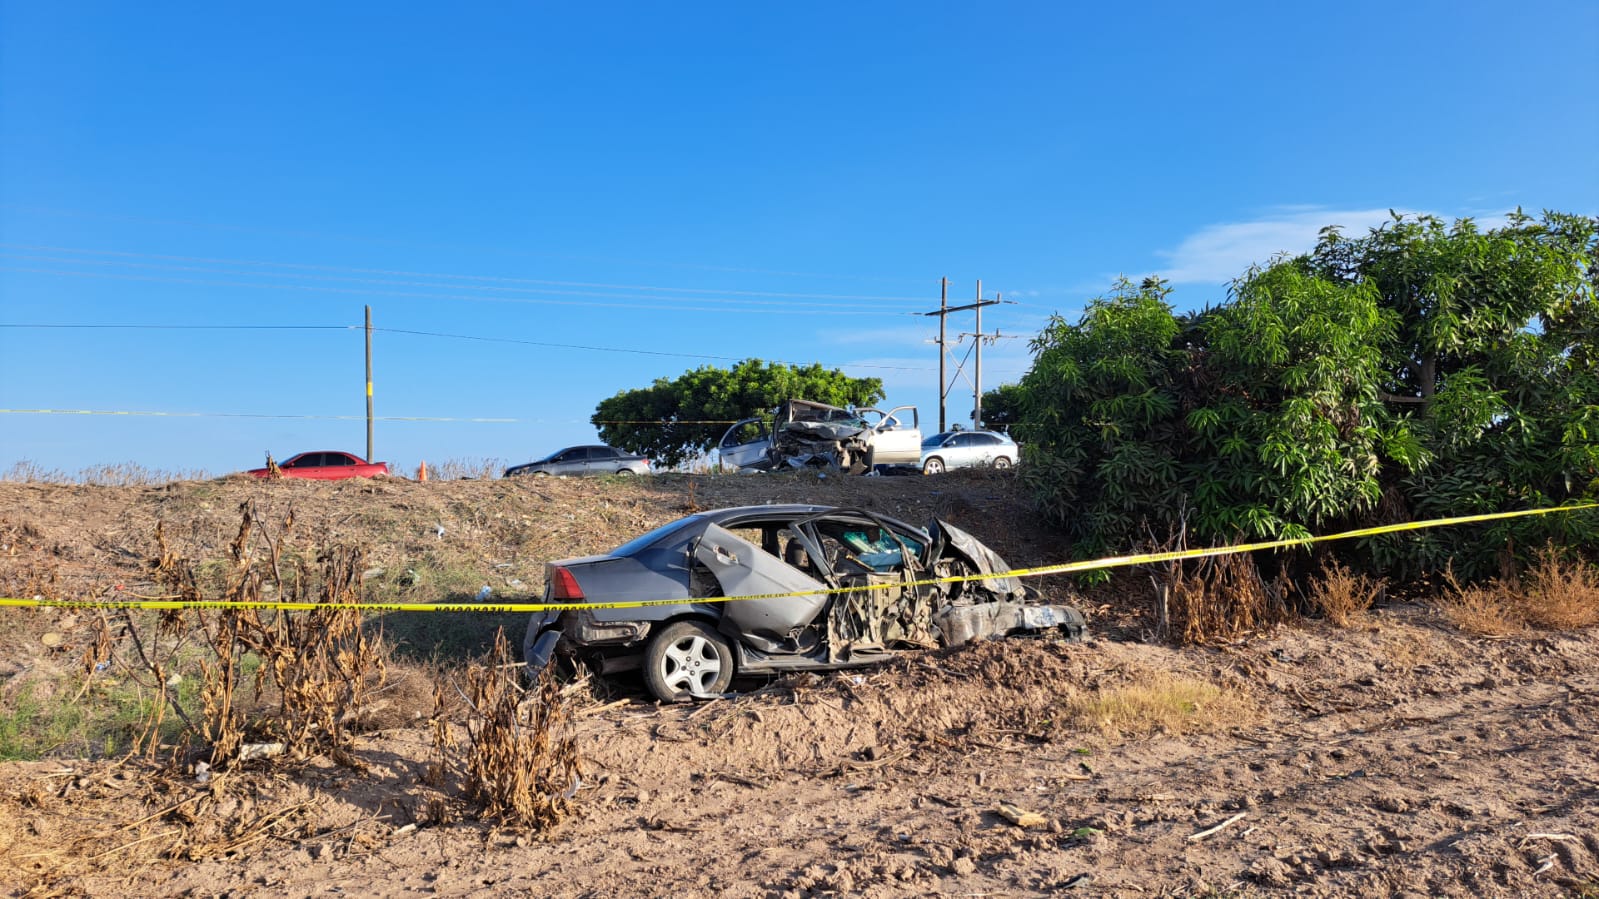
(1216, 598)
(522, 765)
(320, 664)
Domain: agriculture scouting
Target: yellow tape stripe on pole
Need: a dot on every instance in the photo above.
(1037, 571)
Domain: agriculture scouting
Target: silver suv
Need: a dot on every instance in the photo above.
(968, 449)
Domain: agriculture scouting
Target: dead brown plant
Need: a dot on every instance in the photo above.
(28, 567)
(1553, 593)
(1341, 595)
(522, 765)
(1215, 599)
(320, 664)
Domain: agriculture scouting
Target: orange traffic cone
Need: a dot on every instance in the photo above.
(422, 472)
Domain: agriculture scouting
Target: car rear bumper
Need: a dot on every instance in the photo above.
(576, 632)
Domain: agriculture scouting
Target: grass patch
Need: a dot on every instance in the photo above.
(1160, 704)
(105, 718)
(32, 728)
(1553, 594)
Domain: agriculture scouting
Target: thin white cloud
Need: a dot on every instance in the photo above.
(1217, 254)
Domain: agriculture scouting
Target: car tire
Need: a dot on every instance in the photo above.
(538, 474)
(1001, 463)
(934, 465)
(627, 471)
(687, 658)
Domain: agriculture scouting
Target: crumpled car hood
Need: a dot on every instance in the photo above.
(825, 430)
(980, 557)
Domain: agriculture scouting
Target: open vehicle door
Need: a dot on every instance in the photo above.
(896, 437)
(747, 444)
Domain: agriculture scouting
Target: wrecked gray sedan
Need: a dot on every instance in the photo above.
(836, 588)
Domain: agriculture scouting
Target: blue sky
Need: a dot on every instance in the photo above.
(616, 193)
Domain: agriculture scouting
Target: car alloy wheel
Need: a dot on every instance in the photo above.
(687, 659)
(934, 465)
(1002, 462)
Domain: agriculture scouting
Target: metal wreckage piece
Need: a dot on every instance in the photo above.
(804, 433)
(874, 611)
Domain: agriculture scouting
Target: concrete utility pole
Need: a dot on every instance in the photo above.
(369, 456)
(977, 363)
(944, 309)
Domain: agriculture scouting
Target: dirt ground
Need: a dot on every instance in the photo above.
(1397, 756)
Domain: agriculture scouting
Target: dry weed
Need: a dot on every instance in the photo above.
(1342, 596)
(466, 469)
(522, 765)
(1554, 594)
(320, 664)
(121, 474)
(27, 566)
(1160, 703)
(1216, 598)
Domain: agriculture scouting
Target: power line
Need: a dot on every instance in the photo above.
(197, 327)
(222, 226)
(439, 334)
(411, 274)
(158, 414)
(605, 349)
(657, 300)
(781, 309)
(148, 413)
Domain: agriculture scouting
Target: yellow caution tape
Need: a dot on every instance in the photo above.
(1037, 571)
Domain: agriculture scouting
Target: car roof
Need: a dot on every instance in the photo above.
(1000, 434)
(797, 510)
(779, 509)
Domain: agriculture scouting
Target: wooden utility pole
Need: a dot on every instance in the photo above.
(369, 455)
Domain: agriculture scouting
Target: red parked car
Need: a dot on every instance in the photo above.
(326, 465)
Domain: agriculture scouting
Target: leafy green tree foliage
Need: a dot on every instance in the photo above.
(1420, 371)
(672, 421)
(1258, 419)
(1496, 359)
(1100, 417)
(1288, 433)
(1002, 407)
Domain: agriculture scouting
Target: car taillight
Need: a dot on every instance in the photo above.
(564, 584)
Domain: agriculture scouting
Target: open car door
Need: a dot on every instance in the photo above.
(747, 444)
(743, 569)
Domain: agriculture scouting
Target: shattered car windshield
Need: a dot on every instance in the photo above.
(873, 545)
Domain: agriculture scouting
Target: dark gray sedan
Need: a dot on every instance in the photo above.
(577, 461)
(811, 587)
